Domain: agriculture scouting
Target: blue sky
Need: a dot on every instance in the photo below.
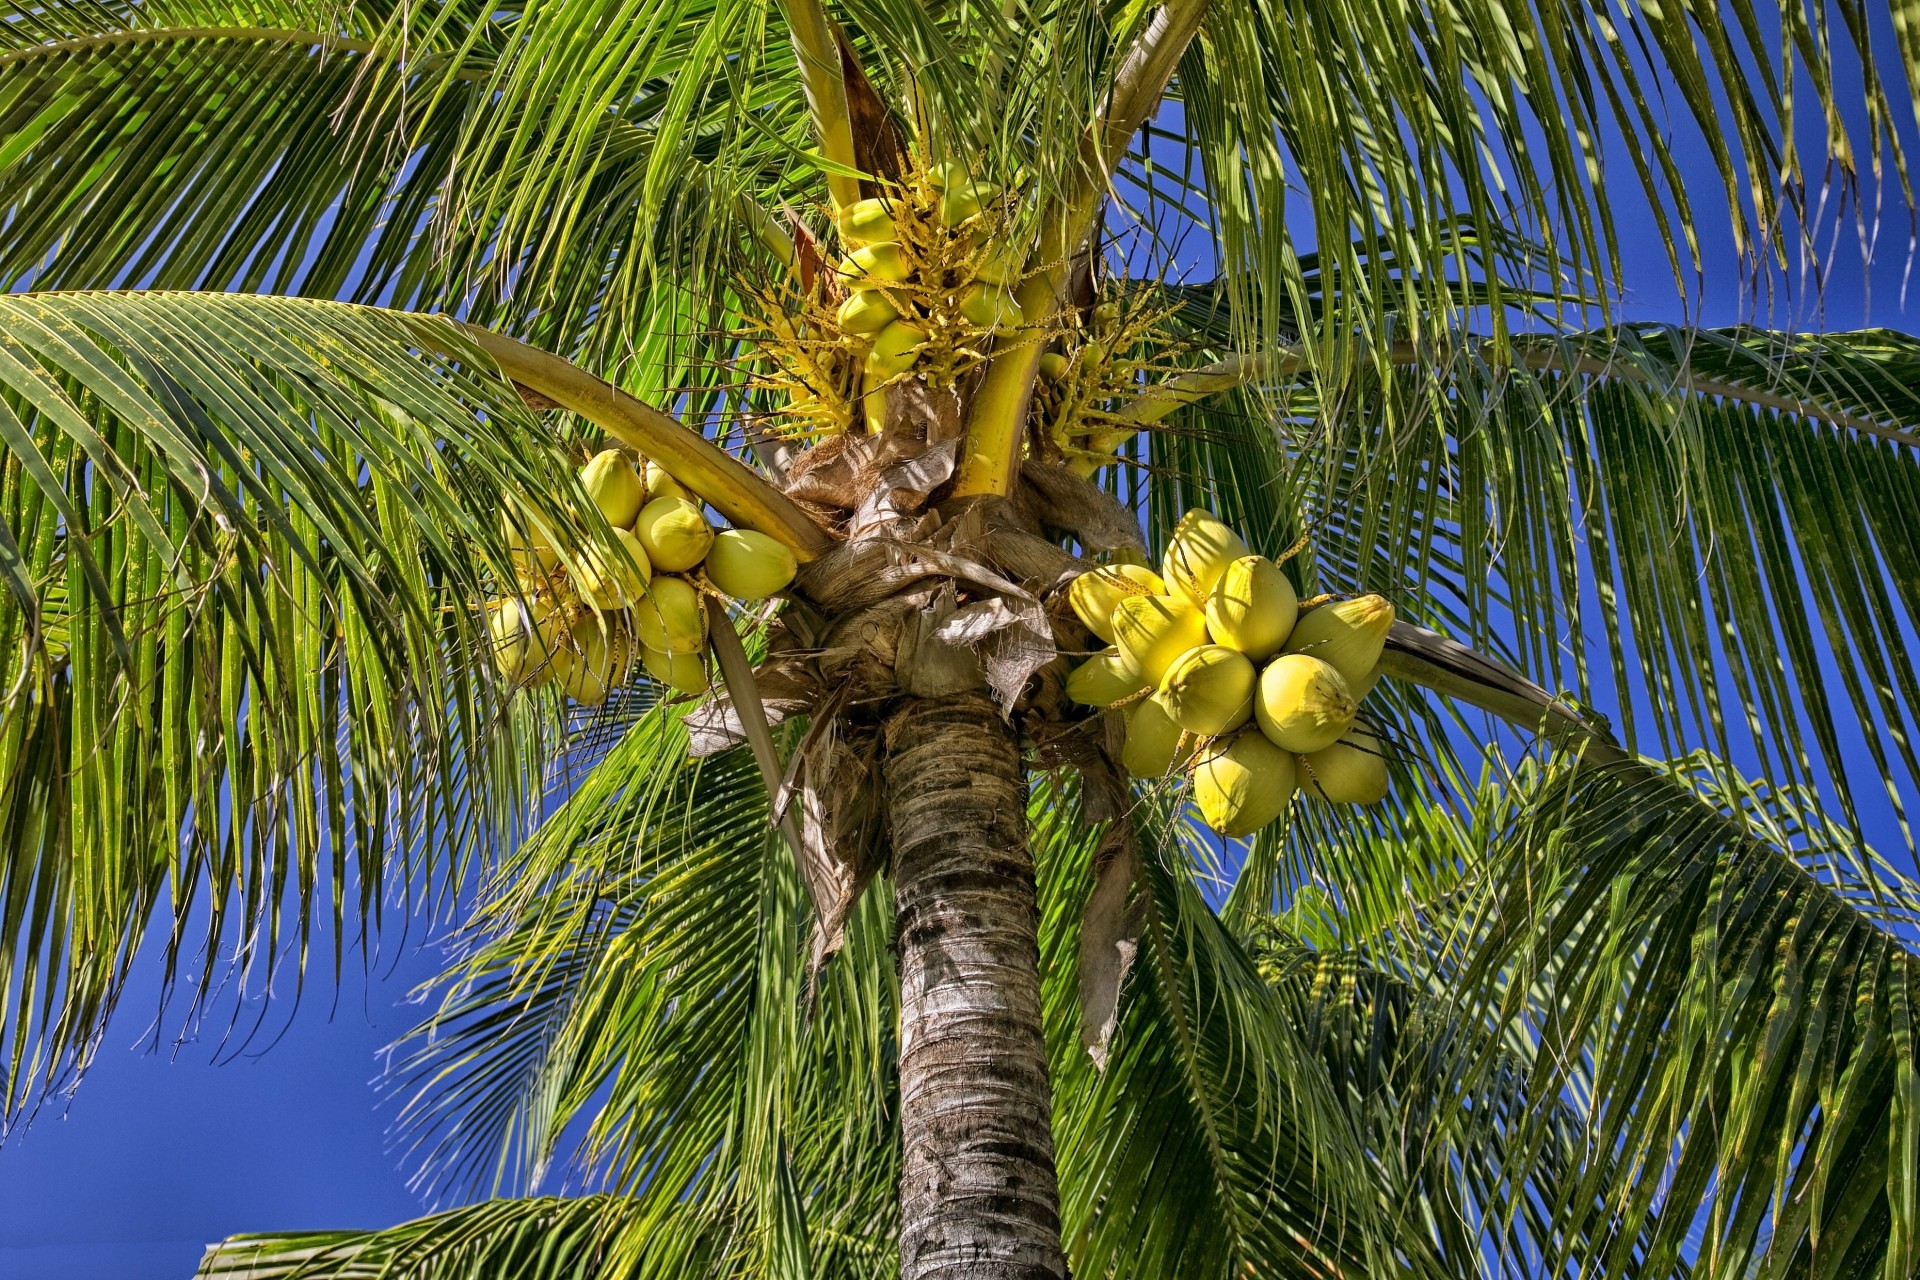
(181, 1136)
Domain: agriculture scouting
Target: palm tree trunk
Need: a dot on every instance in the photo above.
(978, 1197)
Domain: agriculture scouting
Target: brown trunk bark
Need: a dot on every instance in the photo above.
(978, 1197)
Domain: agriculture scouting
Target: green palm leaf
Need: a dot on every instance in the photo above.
(245, 546)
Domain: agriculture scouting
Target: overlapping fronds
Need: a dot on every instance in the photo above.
(549, 1238)
(1704, 992)
(568, 168)
(1212, 1143)
(640, 974)
(1711, 530)
(244, 544)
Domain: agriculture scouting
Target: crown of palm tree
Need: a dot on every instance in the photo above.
(301, 297)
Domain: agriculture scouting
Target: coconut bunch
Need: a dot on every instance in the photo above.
(582, 622)
(925, 275)
(1223, 675)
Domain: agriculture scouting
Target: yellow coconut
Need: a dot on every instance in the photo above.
(990, 307)
(1252, 607)
(895, 348)
(1243, 783)
(511, 637)
(1053, 366)
(616, 581)
(1198, 554)
(662, 485)
(873, 265)
(866, 222)
(1303, 704)
(948, 173)
(748, 565)
(601, 660)
(1003, 267)
(674, 532)
(1103, 680)
(686, 672)
(1155, 746)
(867, 311)
(615, 487)
(1351, 771)
(532, 554)
(1096, 594)
(1208, 690)
(671, 617)
(1348, 635)
(1152, 631)
(964, 200)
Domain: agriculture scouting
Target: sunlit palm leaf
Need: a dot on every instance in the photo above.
(246, 542)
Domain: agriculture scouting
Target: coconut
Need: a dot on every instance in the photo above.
(873, 265)
(671, 617)
(686, 672)
(1053, 366)
(1154, 630)
(674, 532)
(615, 487)
(662, 485)
(1243, 783)
(1208, 690)
(616, 581)
(1197, 555)
(948, 173)
(1095, 595)
(867, 312)
(527, 546)
(895, 348)
(1303, 704)
(1252, 607)
(866, 222)
(963, 200)
(511, 637)
(601, 660)
(1155, 746)
(1003, 267)
(1351, 771)
(990, 307)
(1103, 680)
(1348, 635)
(748, 565)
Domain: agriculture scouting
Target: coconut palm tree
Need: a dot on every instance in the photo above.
(871, 959)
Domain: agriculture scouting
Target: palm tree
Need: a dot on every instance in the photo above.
(874, 961)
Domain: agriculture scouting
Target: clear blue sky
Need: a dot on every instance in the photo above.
(164, 1151)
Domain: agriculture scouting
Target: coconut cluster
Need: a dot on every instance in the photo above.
(581, 622)
(925, 275)
(1222, 674)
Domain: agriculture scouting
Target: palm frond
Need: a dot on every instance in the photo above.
(640, 975)
(1211, 1144)
(246, 544)
(549, 1238)
(1707, 530)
